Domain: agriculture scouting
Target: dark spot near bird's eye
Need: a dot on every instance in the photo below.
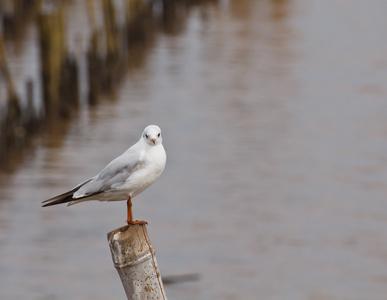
(146, 136)
(158, 135)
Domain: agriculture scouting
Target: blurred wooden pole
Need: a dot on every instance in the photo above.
(134, 258)
(4, 69)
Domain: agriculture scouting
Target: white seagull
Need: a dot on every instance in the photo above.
(124, 177)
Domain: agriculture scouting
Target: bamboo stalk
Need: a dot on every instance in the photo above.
(134, 258)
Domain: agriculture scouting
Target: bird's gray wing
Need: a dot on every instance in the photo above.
(112, 176)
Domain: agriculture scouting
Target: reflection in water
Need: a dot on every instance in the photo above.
(119, 36)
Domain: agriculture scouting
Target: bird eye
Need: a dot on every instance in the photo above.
(146, 136)
(158, 135)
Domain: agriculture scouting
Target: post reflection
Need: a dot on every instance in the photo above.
(119, 36)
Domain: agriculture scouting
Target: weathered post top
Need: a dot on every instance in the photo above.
(134, 258)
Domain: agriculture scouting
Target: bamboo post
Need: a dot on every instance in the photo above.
(134, 258)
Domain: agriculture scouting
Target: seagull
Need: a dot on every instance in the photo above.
(124, 177)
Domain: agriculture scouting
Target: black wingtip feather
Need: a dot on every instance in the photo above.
(62, 198)
(65, 197)
(59, 201)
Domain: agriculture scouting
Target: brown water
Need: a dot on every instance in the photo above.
(274, 122)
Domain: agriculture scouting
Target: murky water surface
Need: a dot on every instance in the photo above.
(274, 122)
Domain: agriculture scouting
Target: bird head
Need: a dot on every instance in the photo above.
(152, 135)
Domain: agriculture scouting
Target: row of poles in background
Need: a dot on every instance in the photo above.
(59, 75)
(112, 50)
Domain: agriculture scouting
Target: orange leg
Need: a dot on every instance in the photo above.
(130, 214)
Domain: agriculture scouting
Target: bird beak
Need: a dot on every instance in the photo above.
(153, 141)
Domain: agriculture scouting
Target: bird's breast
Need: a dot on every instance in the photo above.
(152, 166)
